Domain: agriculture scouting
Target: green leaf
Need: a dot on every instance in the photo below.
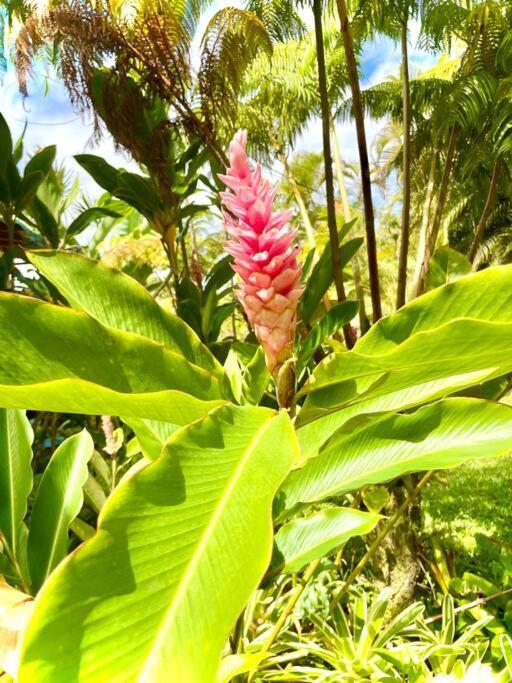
(139, 192)
(331, 322)
(5, 146)
(65, 361)
(439, 344)
(102, 172)
(58, 501)
(180, 547)
(438, 436)
(446, 265)
(89, 216)
(321, 276)
(152, 435)
(220, 274)
(41, 161)
(234, 665)
(15, 473)
(45, 220)
(255, 378)
(486, 295)
(310, 538)
(27, 188)
(117, 300)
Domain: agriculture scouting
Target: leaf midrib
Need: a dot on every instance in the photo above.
(209, 531)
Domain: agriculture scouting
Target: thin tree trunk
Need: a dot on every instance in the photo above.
(440, 204)
(371, 244)
(347, 215)
(406, 172)
(310, 233)
(489, 203)
(329, 181)
(422, 242)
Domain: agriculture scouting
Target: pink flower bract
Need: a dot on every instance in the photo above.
(265, 256)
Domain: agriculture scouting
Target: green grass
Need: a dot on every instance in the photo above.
(469, 509)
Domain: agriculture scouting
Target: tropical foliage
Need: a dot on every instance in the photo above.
(228, 409)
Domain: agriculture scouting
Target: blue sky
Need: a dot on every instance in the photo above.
(51, 119)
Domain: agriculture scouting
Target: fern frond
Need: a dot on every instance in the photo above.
(232, 40)
(280, 18)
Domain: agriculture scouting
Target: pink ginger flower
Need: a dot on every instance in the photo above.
(264, 253)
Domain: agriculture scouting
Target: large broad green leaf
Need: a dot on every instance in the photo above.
(310, 538)
(180, 547)
(441, 343)
(65, 361)
(437, 436)
(15, 473)
(119, 301)
(486, 295)
(58, 501)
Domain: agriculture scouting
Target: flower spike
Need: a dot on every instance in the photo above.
(265, 257)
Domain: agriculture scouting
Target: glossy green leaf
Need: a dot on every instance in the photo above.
(255, 378)
(66, 361)
(332, 321)
(102, 172)
(119, 301)
(446, 265)
(152, 435)
(58, 501)
(181, 545)
(441, 435)
(310, 538)
(441, 343)
(27, 188)
(486, 295)
(234, 665)
(15, 473)
(87, 217)
(45, 221)
(5, 145)
(321, 276)
(41, 161)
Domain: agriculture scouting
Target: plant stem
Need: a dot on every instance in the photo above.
(489, 203)
(470, 605)
(329, 181)
(406, 174)
(416, 282)
(347, 216)
(371, 243)
(381, 536)
(440, 204)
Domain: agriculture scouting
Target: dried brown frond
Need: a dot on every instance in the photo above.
(153, 49)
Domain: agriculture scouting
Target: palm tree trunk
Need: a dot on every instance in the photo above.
(406, 172)
(347, 215)
(308, 227)
(329, 181)
(440, 204)
(422, 242)
(489, 203)
(371, 244)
